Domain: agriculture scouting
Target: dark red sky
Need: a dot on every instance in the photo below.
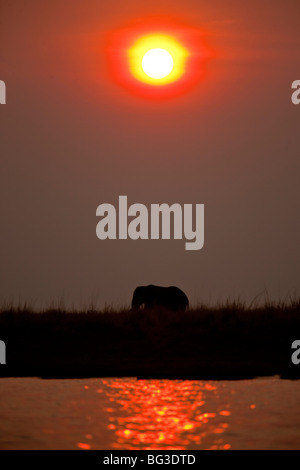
(72, 138)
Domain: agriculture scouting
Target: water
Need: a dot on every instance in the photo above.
(149, 414)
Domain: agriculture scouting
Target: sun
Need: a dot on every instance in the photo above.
(157, 59)
(157, 63)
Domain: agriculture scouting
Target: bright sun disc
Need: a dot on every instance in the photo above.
(157, 63)
(157, 59)
(130, 52)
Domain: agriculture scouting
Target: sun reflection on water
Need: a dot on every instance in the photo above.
(165, 414)
(126, 413)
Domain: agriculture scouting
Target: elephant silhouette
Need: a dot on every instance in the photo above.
(150, 297)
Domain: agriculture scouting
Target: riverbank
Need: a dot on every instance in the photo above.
(226, 342)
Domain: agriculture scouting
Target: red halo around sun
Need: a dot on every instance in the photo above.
(126, 47)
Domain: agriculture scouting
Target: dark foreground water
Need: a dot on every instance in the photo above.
(149, 414)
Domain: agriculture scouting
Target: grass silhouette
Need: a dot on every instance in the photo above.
(229, 341)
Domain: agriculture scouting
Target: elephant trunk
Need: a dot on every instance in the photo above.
(134, 304)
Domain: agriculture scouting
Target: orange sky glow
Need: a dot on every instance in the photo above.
(80, 129)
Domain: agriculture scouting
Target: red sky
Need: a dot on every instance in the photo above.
(72, 138)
